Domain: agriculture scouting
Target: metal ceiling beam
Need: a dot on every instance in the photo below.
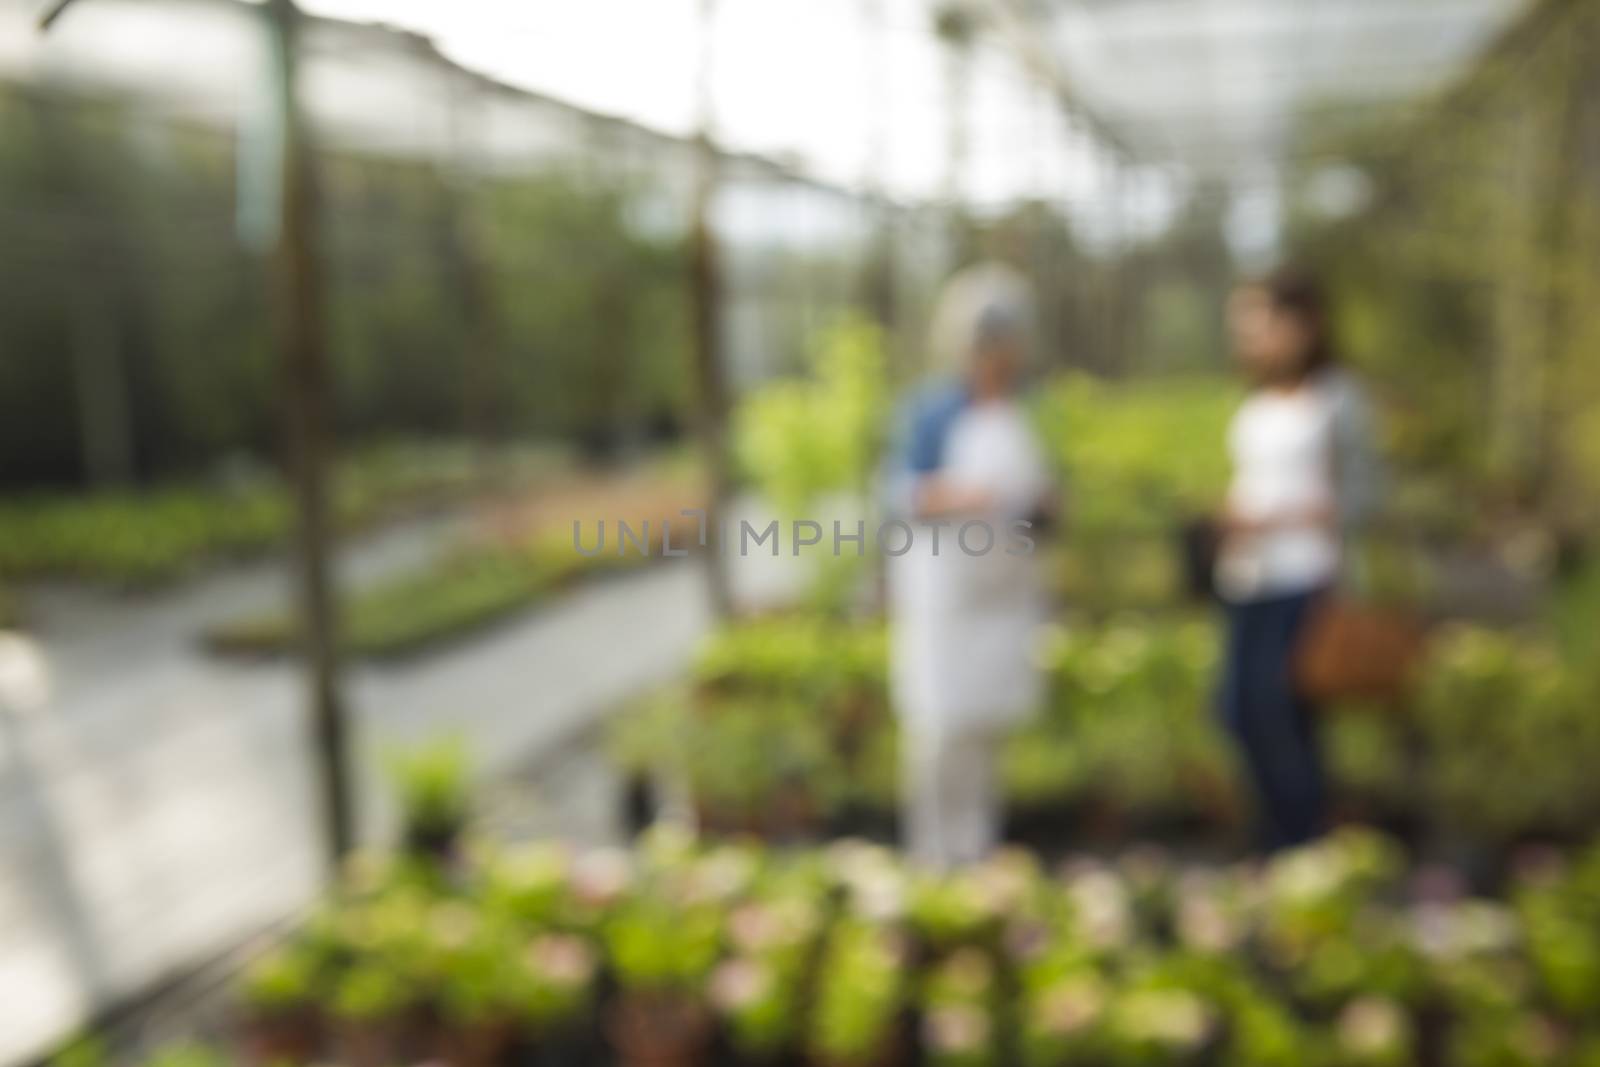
(52, 11)
(1023, 36)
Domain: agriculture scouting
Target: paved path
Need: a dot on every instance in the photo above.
(158, 810)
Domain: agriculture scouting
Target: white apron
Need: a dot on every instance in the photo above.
(965, 625)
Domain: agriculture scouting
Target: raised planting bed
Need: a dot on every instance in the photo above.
(523, 555)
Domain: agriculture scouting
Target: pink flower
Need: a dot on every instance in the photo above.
(1372, 1025)
(561, 959)
(452, 924)
(1069, 1006)
(736, 984)
(967, 973)
(955, 1028)
(598, 878)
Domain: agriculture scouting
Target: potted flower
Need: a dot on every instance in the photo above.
(1061, 1020)
(1374, 1032)
(661, 954)
(370, 1005)
(871, 877)
(759, 992)
(551, 990)
(278, 1005)
(467, 964)
(957, 909)
(1156, 1026)
(757, 1003)
(1102, 913)
(859, 997)
(433, 782)
(958, 1011)
(1262, 1031)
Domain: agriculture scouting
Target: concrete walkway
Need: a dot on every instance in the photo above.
(159, 808)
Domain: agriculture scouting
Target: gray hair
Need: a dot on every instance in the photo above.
(984, 304)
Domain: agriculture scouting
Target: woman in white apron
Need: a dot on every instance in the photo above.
(965, 591)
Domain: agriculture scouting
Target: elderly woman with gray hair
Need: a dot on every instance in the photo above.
(967, 481)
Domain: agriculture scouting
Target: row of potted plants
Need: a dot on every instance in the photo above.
(450, 598)
(516, 557)
(679, 952)
(784, 727)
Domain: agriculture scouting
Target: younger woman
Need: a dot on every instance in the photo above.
(1303, 474)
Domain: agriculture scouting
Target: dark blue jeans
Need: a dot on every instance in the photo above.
(1273, 725)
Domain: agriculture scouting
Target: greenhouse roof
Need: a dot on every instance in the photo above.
(1214, 86)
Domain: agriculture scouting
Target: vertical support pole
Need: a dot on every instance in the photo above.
(298, 314)
(705, 285)
(878, 275)
(461, 179)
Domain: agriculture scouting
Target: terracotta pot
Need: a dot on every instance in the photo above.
(659, 1031)
(890, 1052)
(482, 1044)
(793, 814)
(439, 844)
(719, 820)
(289, 1035)
(374, 1043)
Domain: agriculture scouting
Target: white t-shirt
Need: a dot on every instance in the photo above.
(1282, 446)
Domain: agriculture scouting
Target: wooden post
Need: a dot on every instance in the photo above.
(298, 317)
(461, 184)
(878, 273)
(955, 24)
(705, 291)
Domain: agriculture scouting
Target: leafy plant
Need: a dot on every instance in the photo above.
(798, 439)
(655, 947)
(433, 783)
(860, 991)
(283, 979)
(369, 992)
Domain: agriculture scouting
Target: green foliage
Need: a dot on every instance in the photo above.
(1315, 957)
(528, 304)
(129, 538)
(433, 782)
(282, 979)
(960, 998)
(805, 657)
(1560, 910)
(553, 983)
(657, 947)
(83, 1051)
(369, 993)
(796, 440)
(187, 1054)
(1466, 282)
(137, 539)
(792, 707)
(1127, 721)
(860, 990)
(1495, 745)
(760, 989)
(1511, 735)
(1136, 456)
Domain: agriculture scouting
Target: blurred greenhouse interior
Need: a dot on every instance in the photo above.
(332, 332)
